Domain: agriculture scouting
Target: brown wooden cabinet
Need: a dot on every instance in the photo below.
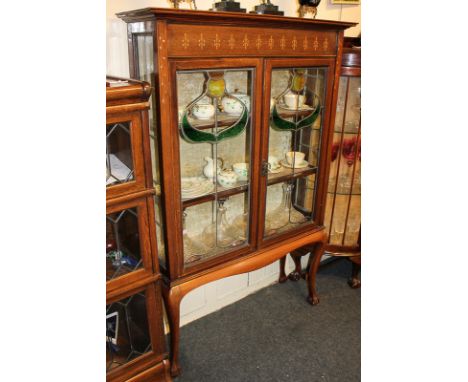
(135, 343)
(240, 120)
(343, 202)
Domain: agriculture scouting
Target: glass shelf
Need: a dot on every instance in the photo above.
(221, 193)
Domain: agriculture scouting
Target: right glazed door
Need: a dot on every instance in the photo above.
(294, 123)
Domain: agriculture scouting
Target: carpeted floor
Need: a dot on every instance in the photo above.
(275, 335)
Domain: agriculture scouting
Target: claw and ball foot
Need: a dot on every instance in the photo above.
(282, 277)
(314, 262)
(354, 281)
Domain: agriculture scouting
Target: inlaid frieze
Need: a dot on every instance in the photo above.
(204, 41)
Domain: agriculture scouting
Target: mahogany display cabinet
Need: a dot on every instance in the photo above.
(240, 120)
(135, 342)
(343, 203)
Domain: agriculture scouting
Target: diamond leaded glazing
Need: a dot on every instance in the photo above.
(119, 162)
(122, 243)
(127, 332)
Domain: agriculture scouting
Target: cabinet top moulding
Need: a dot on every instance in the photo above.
(123, 91)
(229, 18)
(227, 34)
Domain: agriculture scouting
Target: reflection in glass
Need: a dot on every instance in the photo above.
(127, 332)
(119, 161)
(122, 243)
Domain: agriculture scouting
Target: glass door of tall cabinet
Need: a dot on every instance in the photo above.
(294, 147)
(343, 211)
(214, 122)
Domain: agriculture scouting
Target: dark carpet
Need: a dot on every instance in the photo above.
(275, 335)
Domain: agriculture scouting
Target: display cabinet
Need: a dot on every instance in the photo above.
(343, 202)
(135, 343)
(240, 121)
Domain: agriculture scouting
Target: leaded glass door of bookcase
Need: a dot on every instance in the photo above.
(215, 122)
(293, 153)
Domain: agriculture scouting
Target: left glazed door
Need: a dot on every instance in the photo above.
(213, 121)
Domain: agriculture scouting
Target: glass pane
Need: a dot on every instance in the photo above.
(215, 128)
(297, 106)
(122, 243)
(119, 161)
(159, 230)
(127, 332)
(343, 213)
(145, 66)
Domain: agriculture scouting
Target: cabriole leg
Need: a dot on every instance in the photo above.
(172, 301)
(296, 274)
(317, 254)
(354, 281)
(282, 277)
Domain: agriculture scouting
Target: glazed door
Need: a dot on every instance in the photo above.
(214, 117)
(296, 113)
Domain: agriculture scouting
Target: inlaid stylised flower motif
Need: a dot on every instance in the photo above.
(232, 42)
(217, 42)
(185, 41)
(201, 41)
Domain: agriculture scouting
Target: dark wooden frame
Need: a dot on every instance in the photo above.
(130, 103)
(288, 42)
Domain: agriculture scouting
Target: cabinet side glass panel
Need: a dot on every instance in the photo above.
(119, 160)
(214, 123)
(296, 110)
(122, 243)
(144, 59)
(127, 331)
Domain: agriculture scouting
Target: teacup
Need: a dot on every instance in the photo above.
(294, 101)
(295, 158)
(233, 106)
(203, 111)
(241, 170)
(273, 162)
(244, 98)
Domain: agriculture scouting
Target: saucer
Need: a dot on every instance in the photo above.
(303, 107)
(304, 164)
(275, 170)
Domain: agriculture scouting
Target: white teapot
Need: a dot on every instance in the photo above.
(210, 168)
(227, 178)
